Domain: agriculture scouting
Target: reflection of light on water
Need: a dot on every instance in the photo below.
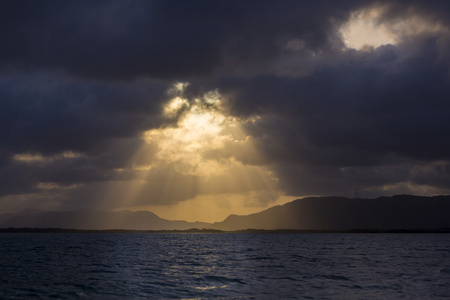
(204, 288)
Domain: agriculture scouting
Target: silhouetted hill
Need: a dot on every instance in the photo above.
(401, 212)
(97, 220)
(339, 213)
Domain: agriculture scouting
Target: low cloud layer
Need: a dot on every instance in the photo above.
(268, 99)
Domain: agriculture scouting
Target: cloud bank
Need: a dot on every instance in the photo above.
(268, 99)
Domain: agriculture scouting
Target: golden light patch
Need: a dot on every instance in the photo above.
(196, 168)
(176, 104)
(29, 158)
(202, 127)
(215, 208)
(35, 158)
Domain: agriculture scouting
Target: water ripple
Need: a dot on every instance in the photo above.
(241, 266)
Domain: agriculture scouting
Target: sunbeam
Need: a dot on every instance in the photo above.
(192, 171)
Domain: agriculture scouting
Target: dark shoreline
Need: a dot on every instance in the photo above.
(195, 230)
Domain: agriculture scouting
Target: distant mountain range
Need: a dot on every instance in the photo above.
(339, 213)
(314, 213)
(97, 220)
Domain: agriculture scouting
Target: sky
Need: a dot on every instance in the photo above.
(195, 110)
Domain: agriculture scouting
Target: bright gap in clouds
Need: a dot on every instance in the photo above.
(201, 127)
(362, 30)
(368, 28)
(199, 153)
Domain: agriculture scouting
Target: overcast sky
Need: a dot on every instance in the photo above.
(199, 109)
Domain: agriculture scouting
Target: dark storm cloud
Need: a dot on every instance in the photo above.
(101, 164)
(385, 107)
(163, 39)
(45, 114)
(357, 113)
(434, 10)
(91, 76)
(382, 105)
(49, 113)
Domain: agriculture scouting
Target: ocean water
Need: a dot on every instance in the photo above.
(228, 265)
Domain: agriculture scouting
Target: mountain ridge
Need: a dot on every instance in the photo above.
(98, 220)
(341, 213)
(401, 212)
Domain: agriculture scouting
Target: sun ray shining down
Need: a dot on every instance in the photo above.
(192, 171)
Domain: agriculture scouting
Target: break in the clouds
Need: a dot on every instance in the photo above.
(225, 104)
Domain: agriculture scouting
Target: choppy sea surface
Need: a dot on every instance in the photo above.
(226, 265)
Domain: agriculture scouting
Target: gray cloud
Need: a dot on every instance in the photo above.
(49, 113)
(376, 107)
(127, 39)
